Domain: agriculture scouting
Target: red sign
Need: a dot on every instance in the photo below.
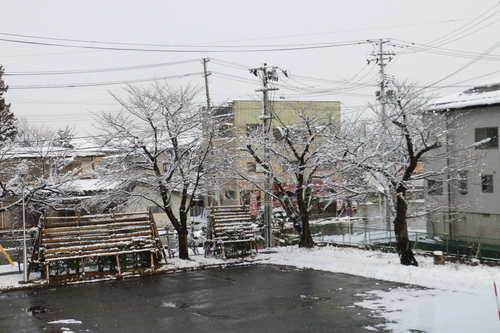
(253, 205)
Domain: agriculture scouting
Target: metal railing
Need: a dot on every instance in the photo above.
(451, 245)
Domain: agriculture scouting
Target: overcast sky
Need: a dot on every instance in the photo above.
(63, 58)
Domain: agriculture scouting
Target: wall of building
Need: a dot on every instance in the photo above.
(284, 113)
(469, 212)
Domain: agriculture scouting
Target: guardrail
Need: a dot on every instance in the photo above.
(451, 245)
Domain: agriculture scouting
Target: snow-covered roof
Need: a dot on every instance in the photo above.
(84, 185)
(484, 94)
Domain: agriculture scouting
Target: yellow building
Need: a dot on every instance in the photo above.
(240, 119)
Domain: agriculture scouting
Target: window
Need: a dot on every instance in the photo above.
(165, 167)
(486, 137)
(434, 187)
(252, 129)
(462, 182)
(54, 170)
(225, 130)
(252, 167)
(230, 195)
(156, 209)
(487, 183)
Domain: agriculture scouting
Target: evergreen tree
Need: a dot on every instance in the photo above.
(8, 129)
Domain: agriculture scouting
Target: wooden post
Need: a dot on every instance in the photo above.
(118, 265)
(223, 250)
(47, 272)
(83, 266)
(152, 261)
(438, 258)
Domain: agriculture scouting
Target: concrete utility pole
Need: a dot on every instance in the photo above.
(266, 73)
(380, 57)
(206, 74)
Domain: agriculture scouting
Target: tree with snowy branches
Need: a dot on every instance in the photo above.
(161, 141)
(301, 164)
(387, 151)
(8, 129)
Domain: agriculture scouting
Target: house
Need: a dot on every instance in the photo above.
(48, 163)
(239, 121)
(464, 204)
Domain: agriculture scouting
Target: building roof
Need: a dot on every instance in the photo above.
(484, 94)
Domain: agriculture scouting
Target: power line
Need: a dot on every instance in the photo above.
(96, 84)
(100, 70)
(168, 49)
(497, 44)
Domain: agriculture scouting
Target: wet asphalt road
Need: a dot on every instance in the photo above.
(245, 299)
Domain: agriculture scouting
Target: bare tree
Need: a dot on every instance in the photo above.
(161, 150)
(301, 157)
(390, 148)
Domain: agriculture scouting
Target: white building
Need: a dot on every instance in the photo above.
(465, 203)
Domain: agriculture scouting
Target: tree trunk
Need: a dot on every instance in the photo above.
(180, 226)
(403, 245)
(305, 236)
(183, 244)
(183, 234)
(303, 196)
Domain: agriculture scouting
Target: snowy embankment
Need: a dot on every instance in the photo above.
(439, 298)
(455, 297)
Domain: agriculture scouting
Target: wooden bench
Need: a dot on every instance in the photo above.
(91, 236)
(230, 225)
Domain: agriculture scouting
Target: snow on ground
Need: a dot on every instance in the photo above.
(435, 298)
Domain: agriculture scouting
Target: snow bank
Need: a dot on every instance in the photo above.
(460, 297)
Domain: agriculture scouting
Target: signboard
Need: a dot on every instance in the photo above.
(253, 205)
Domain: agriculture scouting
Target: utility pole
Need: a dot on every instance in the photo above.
(206, 74)
(381, 57)
(266, 74)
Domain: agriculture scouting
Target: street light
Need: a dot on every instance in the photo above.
(23, 171)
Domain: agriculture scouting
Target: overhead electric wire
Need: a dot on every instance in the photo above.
(497, 44)
(96, 84)
(415, 47)
(446, 39)
(100, 70)
(167, 49)
(435, 45)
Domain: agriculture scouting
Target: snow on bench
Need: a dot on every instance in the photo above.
(91, 236)
(230, 225)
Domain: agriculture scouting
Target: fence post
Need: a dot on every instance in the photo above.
(478, 253)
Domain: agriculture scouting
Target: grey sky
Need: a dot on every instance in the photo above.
(322, 43)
